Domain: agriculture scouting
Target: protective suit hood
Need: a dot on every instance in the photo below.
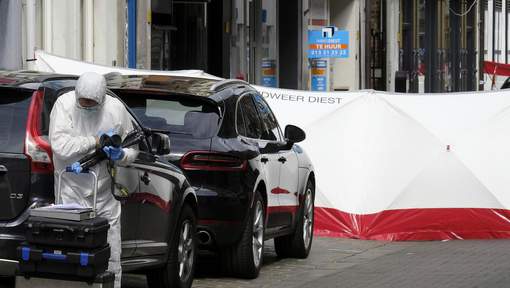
(91, 86)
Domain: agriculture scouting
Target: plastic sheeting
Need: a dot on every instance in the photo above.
(405, 167)
(415, 224)
(494, 68)
(51, 63)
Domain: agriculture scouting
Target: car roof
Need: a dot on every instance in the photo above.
(193, 86)
(185, 85)
(18, 78)
(177, 84)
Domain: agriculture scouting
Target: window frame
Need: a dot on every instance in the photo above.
(251, 95)
(244, 122)
(280, 134)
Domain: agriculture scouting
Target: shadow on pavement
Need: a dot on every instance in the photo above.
(209, 264)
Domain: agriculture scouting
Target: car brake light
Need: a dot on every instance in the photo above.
(212, 161)
(36, 147)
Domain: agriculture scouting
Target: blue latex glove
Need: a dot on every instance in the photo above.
(76, 167)
(113, 153)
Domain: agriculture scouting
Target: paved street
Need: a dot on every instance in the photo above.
(357, 263)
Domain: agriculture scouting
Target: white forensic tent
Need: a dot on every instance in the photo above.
(391, 166)
(401, 166)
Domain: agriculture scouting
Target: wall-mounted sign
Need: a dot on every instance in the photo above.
(319, 74)
(269, 73)
(329, 42)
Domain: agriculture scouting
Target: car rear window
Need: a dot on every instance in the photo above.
(176, 114)
(14, 105)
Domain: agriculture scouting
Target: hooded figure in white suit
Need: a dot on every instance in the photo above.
(77, 121)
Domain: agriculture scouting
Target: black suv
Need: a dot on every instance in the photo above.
(158, 219)
(252, 181)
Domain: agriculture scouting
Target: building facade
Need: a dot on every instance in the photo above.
(393, 45)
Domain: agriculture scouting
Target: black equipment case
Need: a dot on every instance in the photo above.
(90, 233)
(65, 247)
(87, 264)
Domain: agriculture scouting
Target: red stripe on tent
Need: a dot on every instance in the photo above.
(494, 68)
(415, 224)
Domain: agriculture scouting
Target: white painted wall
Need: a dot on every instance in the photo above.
(392, 47)
(11, 44)
(88, 30)
(65, 28)
(106, 32)
(499, 29)
(345, 14)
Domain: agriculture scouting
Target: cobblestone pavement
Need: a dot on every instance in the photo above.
(358, 263)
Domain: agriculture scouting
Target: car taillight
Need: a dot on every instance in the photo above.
(36, 147)
(212, 161)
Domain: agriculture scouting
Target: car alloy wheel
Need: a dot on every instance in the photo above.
(308, 218)
(186, 251)
(258, 233)
(179, 269)
(299, 243)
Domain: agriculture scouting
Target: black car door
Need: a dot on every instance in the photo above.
(276, 146)
(268, 159)
(155, 199)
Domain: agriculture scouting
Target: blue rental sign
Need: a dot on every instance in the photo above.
(319, 74)
(329, 42)
(269, 73)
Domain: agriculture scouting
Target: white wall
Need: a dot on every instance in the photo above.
(345, 14)
(63, 18)
(392, 49)
(61, 29)
(499, 29)
(106, 33)
(11, 56)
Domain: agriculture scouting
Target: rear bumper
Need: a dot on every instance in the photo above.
(11, 236)
(8, 267)
(223, 234)
(8, 258)
(222, 214)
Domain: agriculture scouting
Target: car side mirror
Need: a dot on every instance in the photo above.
(160, 144)
(294, 134)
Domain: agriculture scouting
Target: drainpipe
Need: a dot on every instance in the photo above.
(30, 22)
(131, 33)
(89, 30)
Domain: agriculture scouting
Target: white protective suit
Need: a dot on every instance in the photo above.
(73, 132)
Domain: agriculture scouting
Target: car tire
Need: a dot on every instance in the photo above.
(299, 243)
(244, 258)
(178, 271)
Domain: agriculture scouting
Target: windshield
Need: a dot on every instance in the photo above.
(178, 115)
